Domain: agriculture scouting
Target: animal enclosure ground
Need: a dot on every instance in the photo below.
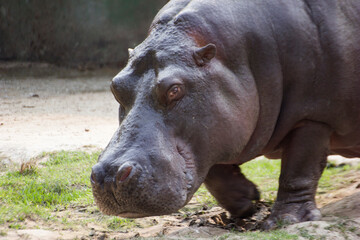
(52, 195)
(44, 108)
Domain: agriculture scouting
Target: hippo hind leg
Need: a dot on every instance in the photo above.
(303, 161)
(232, 190)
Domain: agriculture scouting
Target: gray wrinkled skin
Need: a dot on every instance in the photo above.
(216, 84)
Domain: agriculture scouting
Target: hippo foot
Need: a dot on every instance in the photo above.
(289, 213)
(232, 190)
(241, 208)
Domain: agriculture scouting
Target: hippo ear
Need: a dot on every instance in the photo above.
(130, 50)
(203, 55)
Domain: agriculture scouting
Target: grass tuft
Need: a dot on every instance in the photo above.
(117, 223)
(28, 168)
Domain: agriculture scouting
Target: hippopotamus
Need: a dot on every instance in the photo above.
(218, 83)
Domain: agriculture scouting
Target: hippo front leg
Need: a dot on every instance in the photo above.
(303, 160)
(232, 190)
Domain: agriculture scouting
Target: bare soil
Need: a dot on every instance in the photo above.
(45, 108)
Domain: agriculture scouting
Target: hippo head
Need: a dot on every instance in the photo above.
(181, 111)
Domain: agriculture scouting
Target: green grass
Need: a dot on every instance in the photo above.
(265, 174)
(36, 191)
(115, 223)
(39, 191)
(203, 197)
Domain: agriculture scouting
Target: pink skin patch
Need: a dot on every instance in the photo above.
(125, 173)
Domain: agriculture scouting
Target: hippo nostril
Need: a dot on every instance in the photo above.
(124, 172)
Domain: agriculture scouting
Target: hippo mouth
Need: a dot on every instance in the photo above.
(139, 190)
(189, 170)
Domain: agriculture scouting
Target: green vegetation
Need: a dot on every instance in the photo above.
(38, 190)
(203, 197)
(44, 191)
(265, 174)
(117, 223)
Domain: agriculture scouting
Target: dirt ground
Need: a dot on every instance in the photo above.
(44, 108)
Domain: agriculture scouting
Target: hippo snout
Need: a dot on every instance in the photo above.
(114, 184)
(136, 188)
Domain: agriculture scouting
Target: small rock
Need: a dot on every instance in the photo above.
(87, 130)
(164, 231)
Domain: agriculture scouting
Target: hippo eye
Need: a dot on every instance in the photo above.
(175, 93)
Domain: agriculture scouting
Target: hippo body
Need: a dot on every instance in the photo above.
(218, 83)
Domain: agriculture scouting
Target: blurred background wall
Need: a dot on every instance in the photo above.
(76, 33)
